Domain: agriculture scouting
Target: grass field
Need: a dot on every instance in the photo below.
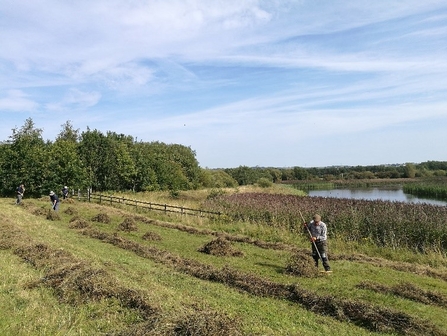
(97, 270)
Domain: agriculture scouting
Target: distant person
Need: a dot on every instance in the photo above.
(54, 201)
(65, 192)
(318, 237)
(20, 192)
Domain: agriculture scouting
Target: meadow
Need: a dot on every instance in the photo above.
(94, 269)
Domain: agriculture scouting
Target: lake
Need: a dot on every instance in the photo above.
(375, 194)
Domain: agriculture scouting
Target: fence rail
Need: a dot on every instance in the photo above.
(108, 199)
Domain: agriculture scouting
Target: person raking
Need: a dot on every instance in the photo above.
(54, 201)
(317, 230)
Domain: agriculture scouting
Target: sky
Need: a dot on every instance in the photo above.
(268, 83)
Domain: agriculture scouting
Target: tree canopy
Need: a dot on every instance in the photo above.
(94, 160)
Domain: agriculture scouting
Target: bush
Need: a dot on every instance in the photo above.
(264, 182)
(215, 193)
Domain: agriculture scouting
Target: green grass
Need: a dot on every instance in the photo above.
(37, 310)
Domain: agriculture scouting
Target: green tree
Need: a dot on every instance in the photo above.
(185, 157)
(300, 173)
(243, 175)
(68, 133)
(25, 160)
(145, 178)
(108, 160)
(65, 166)
(91, 150)
(218, 178)
(410, 170)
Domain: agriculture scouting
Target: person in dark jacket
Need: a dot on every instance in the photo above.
(54, 201)
(65, 192)
(318, 237)
(20, 192)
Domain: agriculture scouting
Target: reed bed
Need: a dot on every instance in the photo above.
(420, 227)
(435, 190)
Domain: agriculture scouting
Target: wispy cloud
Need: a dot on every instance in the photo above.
(17, 101)
(252, 79)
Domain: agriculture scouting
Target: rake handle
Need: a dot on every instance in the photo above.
(310, 235)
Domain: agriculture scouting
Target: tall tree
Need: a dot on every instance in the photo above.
(25, 160)
(65, 166)
(68, 133)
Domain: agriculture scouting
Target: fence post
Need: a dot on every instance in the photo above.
(88, 194)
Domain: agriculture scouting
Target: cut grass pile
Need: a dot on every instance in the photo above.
(220, 247)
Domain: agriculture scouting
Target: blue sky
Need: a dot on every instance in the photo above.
(273, 83)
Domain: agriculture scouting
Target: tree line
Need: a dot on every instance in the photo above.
(117, 162)
(103, 162)
(250, 175)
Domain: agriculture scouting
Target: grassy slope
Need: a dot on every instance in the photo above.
(177, 294)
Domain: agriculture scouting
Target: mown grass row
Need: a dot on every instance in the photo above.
(420, 227)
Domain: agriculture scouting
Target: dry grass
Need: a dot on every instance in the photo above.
(78, 223)
(220, 247)
(71, 211)
(151, 236)
(102, 218)
(128, 225)
(302, 264)
(408, 291)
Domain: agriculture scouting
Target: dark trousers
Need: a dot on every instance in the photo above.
(320, 249)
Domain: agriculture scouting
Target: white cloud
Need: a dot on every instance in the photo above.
(84, 99)
(75, 99)
(17, 101)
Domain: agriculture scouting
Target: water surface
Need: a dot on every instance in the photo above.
(375, 194)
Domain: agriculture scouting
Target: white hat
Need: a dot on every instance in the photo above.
(51, 193)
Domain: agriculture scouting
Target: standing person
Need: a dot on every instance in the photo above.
(65, 192)
(54, 201)
(20, 192)
(318, 237)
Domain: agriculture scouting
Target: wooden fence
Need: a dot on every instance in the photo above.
(114, 200)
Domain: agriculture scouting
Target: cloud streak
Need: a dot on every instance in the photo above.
(253, 80)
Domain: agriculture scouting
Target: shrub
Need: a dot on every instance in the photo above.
(264, 182)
